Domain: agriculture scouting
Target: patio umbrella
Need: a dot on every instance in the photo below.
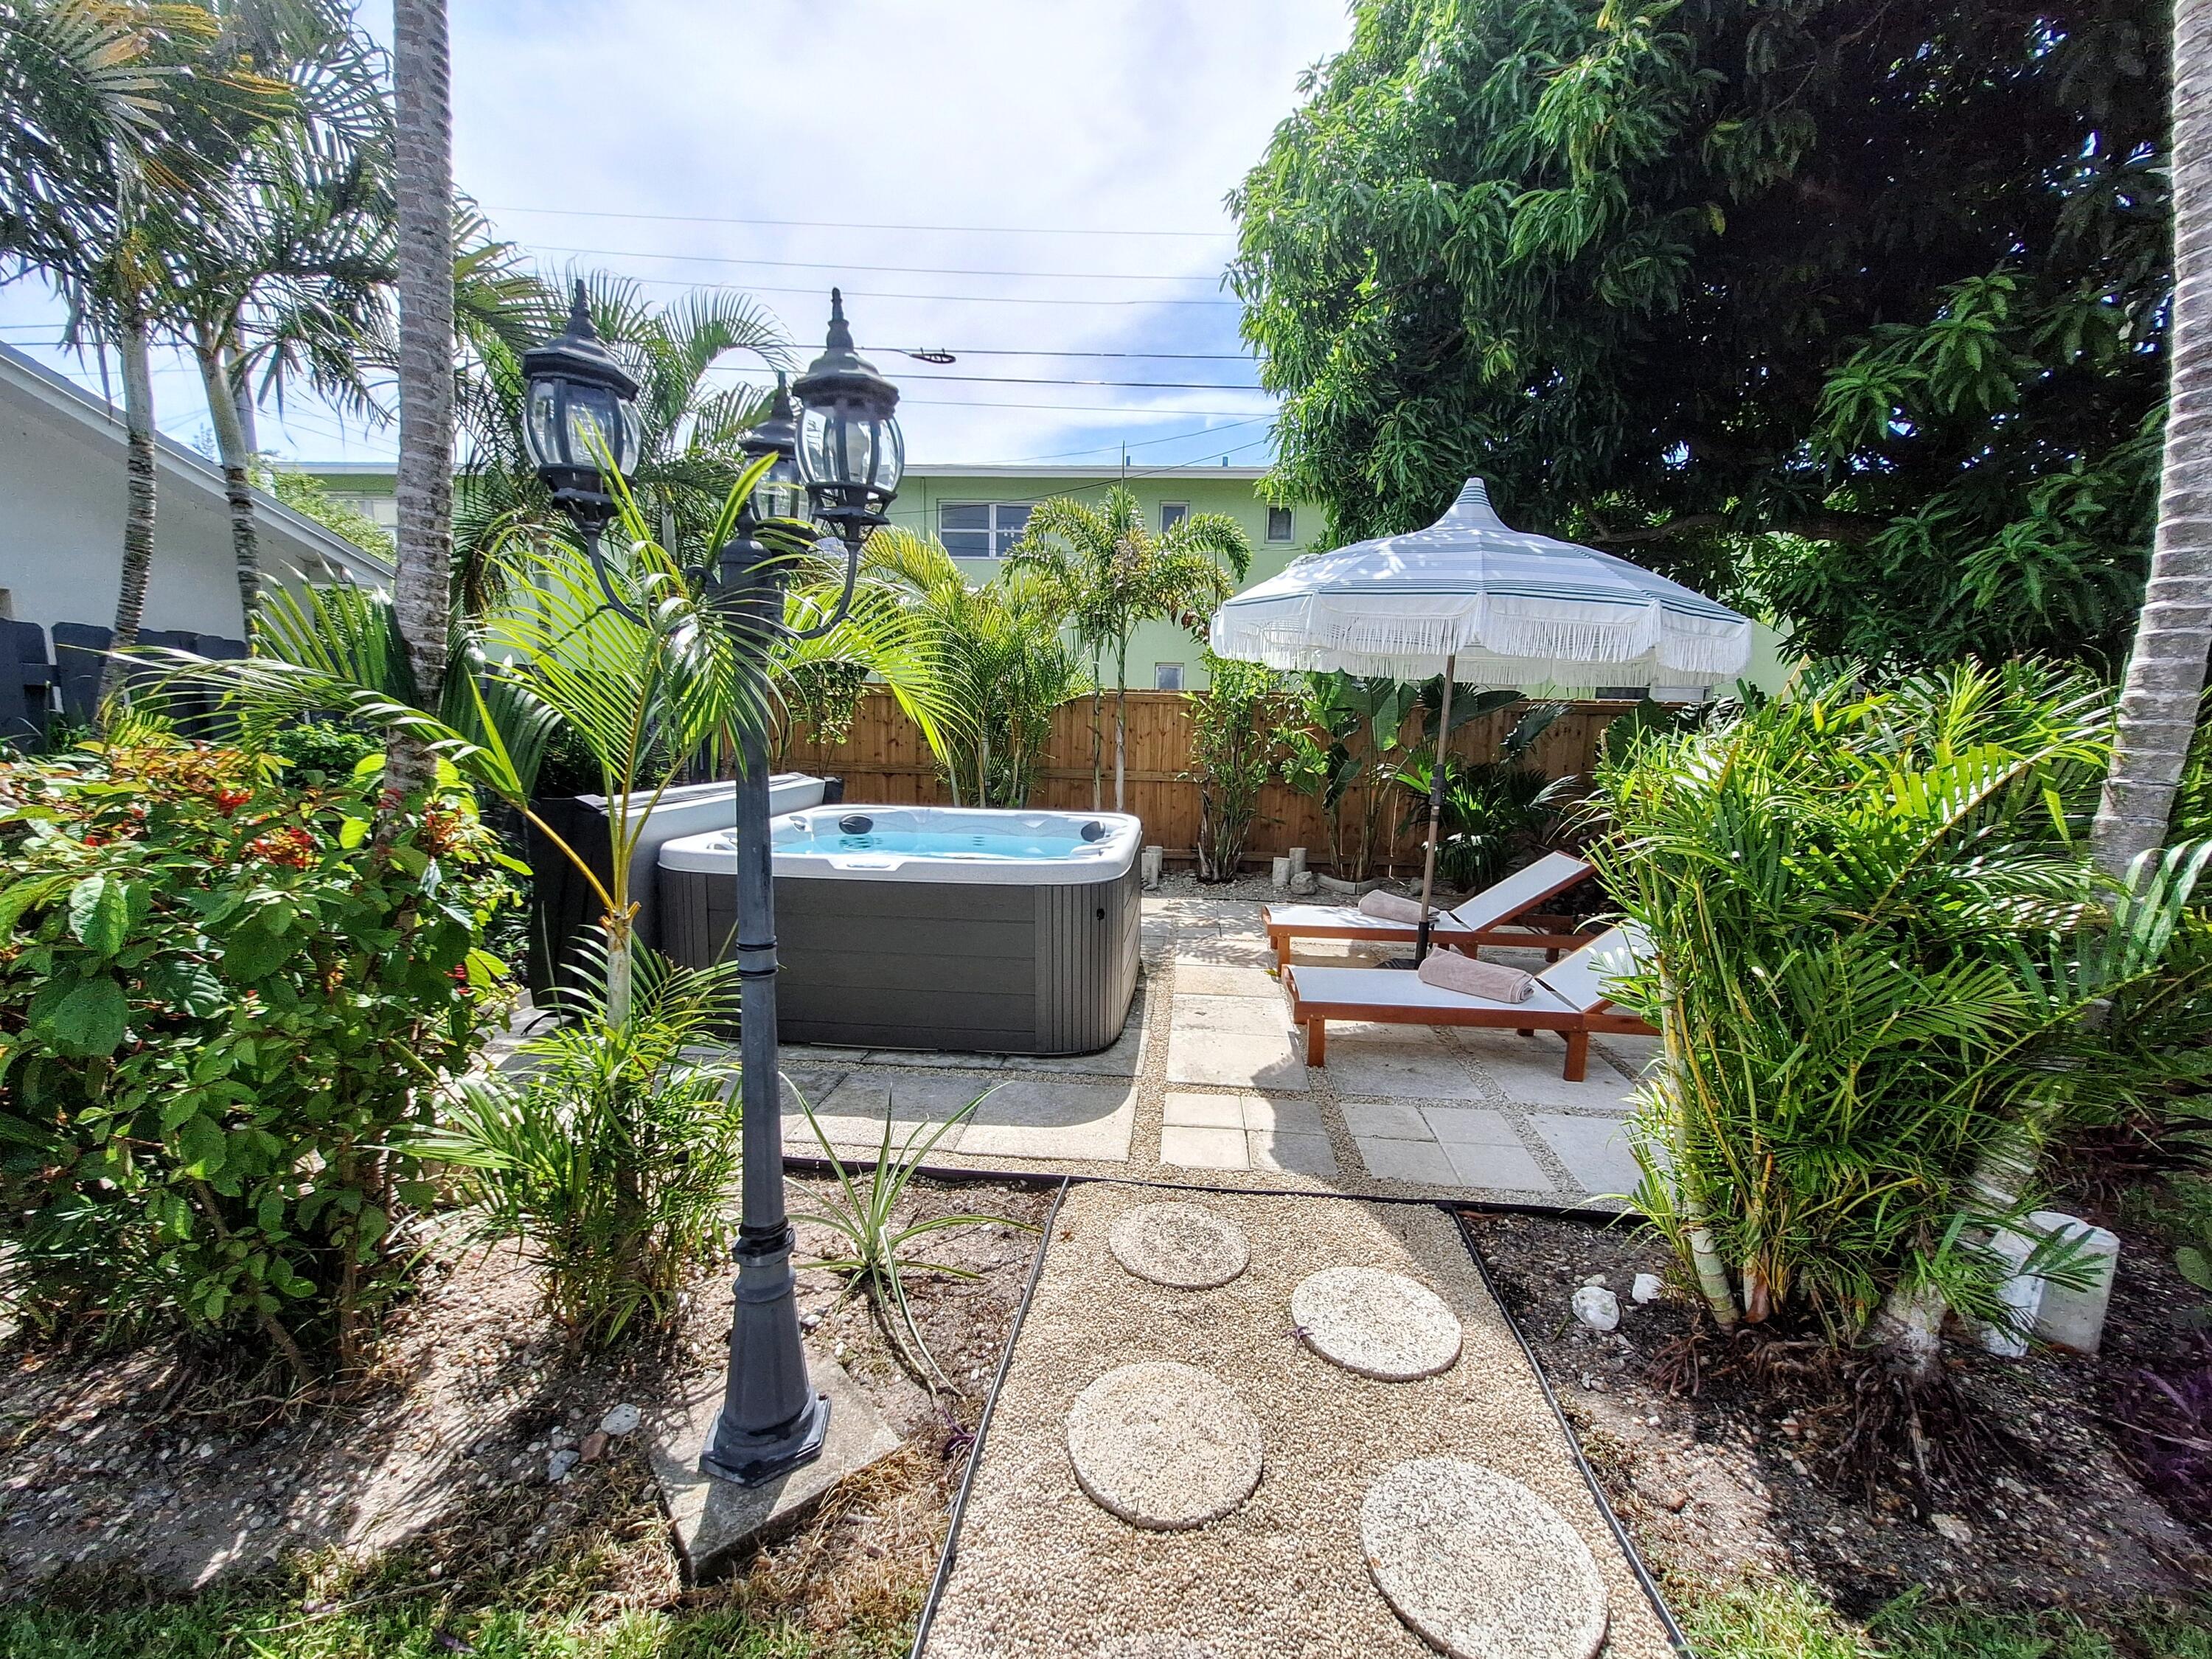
(1468, 594)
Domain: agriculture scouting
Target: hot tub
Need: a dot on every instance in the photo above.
(962, 929)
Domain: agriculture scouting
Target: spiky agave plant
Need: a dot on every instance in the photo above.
(866, 1211)
(1877, 950)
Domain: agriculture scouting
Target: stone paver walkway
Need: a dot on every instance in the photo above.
(1207, 1086)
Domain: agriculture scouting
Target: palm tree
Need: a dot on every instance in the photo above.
(422, 176)
(2165, 671)
(296, 276)
(1002, 658)
(1108, 572)
(124, 114)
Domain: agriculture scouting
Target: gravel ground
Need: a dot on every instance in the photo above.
(1043, 1570)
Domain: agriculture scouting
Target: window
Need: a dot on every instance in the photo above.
(1278, 524)
(1166, 677)
(1173, 513)
(981, 530)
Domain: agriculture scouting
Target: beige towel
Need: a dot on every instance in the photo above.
(1390, 907)
(1451, 971)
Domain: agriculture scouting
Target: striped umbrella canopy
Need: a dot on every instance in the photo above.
(1485, 604)
(1513, 608)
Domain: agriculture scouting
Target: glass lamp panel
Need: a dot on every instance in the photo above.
(594, 419)
(627, 452)
(541, 425)
(778, 495)
(814, 447)
(890, 456)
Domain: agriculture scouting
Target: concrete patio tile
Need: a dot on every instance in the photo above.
(1407, 1160)
(1287, 1117)
(1049, 1117)
(1203, 1111)
(1381, 1119)
(1238, 1015)
(1294, 1154)
(1235, 1060)
(1236, 953)
(1595, 1151)
(1633, 1052)
(938, 1057)
(1468, 1126)
(1410, 1066)
(812, 1083)
(1528, 1069)
(1501, 1168)
(1197, 1148)
(1197, 977)
(1122, 1059)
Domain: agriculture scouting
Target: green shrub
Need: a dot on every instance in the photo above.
(1878, 948)
(611, 1151)
(1232, 750)
(221, 1021)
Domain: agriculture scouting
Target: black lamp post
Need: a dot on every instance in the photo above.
(844, 448)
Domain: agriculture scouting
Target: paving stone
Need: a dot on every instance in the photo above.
(1595, 1151)
(1469, 1126)
(1186, 1247)
(1411, 1065)
(1376, 1322)
(1527, 1070)
(1203, 1148)
(1290, 1117)
(1195, 977)
(1234, 1060)
(1299, 1154)
(1203, 1111)
(1478, 1566)
(1240, 1016)
(1163, 1445)
(1054, 1117)
(1385, 1120)
(1501, 1168)
(945, 1059)
(1422, 1161)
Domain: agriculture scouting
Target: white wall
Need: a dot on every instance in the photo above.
(62, 505)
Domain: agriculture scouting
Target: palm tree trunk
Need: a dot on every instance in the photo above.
(241, 397)
(1120, 719)
(138, 511)
(2166, 671)
(424, 175)
(232, 450)
(1097, 728)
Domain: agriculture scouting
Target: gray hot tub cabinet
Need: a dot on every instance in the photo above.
(967, 968)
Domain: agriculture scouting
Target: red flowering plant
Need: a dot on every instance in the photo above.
(225, 1015)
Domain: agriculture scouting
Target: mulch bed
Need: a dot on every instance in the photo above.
(170, 1472)
(1725, 1456)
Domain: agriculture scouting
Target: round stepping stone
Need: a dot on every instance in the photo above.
(1183, 1245)
(1478, 1566)
(1163, 1445)
(1376, 1322)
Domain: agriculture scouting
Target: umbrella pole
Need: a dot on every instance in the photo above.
(1436, 813)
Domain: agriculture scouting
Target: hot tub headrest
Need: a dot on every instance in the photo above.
(1094, 830)
(855, 824)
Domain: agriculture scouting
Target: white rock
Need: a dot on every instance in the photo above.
(1302, 882)
(620, 1420)
(1952, 1528)
(558, 1465)
(2074, 1319)
(1594, 1278)
(1597, 1307)
(1649, 1287)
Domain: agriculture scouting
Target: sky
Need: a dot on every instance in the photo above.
(1034, 186)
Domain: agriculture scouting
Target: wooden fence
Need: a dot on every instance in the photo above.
(885, 760)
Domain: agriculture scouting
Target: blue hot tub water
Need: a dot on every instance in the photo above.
(932, 843)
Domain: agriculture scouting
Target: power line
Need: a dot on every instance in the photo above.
(836, 224)
(1014, 351)
(842, 265)
(1039, 380)
(932, 299)
(1146, 443)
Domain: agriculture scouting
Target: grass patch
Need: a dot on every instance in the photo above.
(1787, 1618)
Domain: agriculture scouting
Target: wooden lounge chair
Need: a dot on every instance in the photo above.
(1571, 999)
(1498, 915)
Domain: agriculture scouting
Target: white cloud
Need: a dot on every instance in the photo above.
(1139, 115)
